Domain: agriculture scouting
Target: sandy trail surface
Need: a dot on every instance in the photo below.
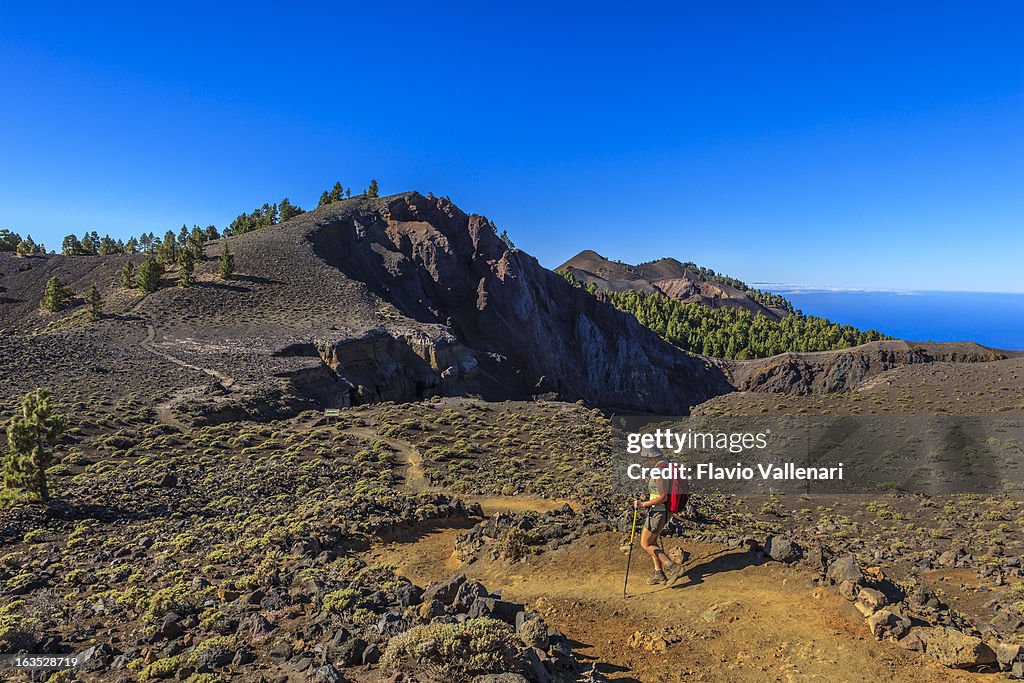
(733, 617)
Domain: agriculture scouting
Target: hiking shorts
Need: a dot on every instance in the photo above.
(656, 520)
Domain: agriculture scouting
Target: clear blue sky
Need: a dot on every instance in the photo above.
(799, 142)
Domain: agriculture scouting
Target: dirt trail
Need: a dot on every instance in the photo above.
(147, 344)
(164, 409)
(732, 618)
(415, 478)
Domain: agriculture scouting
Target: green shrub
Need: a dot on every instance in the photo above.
(341, 600)
(453, 652)
(161, 668)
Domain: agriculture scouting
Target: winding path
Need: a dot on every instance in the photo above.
(415, 478)
(163, 409)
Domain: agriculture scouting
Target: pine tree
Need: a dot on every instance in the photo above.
(325, 199)
(128, 275)
(71, 246)
(94, 301)
(29, 437)
(288, 210)
(9, 240)
(196, 240)
(507, 240)
(372, 190)
(28, 247)
(167, 252)
(186, 274)
(56, 295)
(109, 246)
(227, 263)
(150, 273)
(337, 192)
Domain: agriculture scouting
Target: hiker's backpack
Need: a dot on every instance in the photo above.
(678, 494)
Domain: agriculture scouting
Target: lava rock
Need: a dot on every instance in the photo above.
(956, 649)
(869, 601)
(533, 632)
(782, 549)
(327, 674)
(886, 624)
(846, 568)
(501, 610)
(446, 590)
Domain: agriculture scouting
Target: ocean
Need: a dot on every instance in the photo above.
(991, 319)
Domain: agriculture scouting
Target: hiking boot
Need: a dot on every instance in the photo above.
(658, 578)
(672, 573)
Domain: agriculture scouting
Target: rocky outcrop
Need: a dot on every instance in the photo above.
(477, 317)
(834, 371)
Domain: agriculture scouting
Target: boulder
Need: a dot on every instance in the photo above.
(214, 657)
(327, 674)
(846, 568)
(886, 624)
(469, 592)
(1008, 653)
(407, 594)
(956, 649)
(344, 649)
(500, 678)
(444, 591)
(502, 610)
(256, 626)
(171, 629)
(869, 601)
(818, 558)
(254, 598)
(535, 664)
(430, 609)
(914, 640)
(849, 590)
(534, 633)
(782, 549)
(948, 558)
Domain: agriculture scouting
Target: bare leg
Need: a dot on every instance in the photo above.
(649, 542)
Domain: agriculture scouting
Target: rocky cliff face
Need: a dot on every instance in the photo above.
(832, 371)
(480, 318)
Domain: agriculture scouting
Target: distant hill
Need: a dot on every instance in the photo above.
(684, 281)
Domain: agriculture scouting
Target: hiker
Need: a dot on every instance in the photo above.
(665, 570)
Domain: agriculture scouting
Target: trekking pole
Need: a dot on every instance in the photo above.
(629, 556)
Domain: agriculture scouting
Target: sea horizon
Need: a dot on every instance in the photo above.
(994, 319)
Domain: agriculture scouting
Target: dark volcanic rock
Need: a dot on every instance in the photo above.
(846, 568)
(493, 321)
(824, 372)
(782, 549)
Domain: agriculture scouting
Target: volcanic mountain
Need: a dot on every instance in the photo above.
(665, 276)
(362, 301)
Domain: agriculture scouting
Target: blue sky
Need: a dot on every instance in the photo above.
(811, 143)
